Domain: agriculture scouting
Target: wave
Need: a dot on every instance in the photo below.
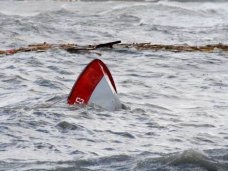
(187, 160)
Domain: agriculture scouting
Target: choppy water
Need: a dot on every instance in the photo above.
(177, 103)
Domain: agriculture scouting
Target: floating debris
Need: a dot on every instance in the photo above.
(74, 48)
(37, 48)
(177, 48)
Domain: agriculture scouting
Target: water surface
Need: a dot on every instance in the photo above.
(176, 114)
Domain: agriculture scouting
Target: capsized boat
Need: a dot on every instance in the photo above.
(95, 86)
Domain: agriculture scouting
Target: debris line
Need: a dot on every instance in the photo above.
(75, 48)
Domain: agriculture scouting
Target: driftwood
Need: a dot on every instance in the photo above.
(74, 48)
(37, 48)
(177, 48)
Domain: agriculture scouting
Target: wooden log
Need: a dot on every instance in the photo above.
(109, 44)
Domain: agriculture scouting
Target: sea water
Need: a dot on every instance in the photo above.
(176, 104)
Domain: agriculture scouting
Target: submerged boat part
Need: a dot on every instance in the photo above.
(95, 86)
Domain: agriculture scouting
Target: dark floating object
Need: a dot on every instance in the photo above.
(91, 47)
(110, 44)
